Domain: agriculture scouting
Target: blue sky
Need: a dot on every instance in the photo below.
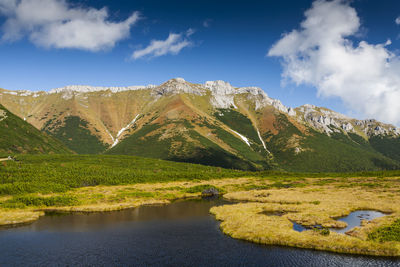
(227, 40)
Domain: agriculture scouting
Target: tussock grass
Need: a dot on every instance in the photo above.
(311, 205)
(22, 208)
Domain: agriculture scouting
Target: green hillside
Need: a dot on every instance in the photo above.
(291, 149)
(189, 146)
(321, 153)
(388, 146)
(18, 136)
(75, 135)
(59, 173)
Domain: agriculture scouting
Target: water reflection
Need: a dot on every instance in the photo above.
(180, 234)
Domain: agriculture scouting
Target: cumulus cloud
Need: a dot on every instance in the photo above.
(397, 20)
(172, 45)
(58, 24)
(365, 76)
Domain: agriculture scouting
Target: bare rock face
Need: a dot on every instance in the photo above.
(348, 127)
(177, 86)
(222, 94)
(325, 120)
(3, 115)
(255, 94)
(291, 112)
(329, 121)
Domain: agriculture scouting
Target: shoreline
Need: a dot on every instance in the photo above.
(259, 215)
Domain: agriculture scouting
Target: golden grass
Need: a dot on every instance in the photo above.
(313, 205)
(13, 217)
(111, 198)
(308, 202)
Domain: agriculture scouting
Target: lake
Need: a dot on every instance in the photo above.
(180, 234)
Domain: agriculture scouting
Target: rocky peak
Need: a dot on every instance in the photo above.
(329, 121)
(220, 87)
(177, 86)
(325, 120)
(223, 96)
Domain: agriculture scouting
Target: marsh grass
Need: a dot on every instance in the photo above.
(312, 205)
(106, 198)
(386, 233)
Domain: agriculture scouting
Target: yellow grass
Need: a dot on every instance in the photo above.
(111, 198)
(310, 202)
(19, 216)
(312, 205)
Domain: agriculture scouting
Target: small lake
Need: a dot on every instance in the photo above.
(180, 234)
(354, 219)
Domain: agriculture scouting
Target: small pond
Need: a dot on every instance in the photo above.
(354, 219)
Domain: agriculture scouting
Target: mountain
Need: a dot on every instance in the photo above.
(212, 123)
(18, 136)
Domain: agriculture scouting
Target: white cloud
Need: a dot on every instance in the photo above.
(58, 24)
(365, 76)
(397, 20)
(172, 45)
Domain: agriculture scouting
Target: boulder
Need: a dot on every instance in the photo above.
(210, 192)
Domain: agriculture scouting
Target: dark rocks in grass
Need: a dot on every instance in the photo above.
(210, 192)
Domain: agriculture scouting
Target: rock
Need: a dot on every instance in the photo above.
(222, 94)
(177, 86)
(210, 192)
(347, 127)
(291, 112)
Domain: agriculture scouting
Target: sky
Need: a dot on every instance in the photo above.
(343, 55)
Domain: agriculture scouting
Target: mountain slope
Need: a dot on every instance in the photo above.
(18, 136)
(212, 123)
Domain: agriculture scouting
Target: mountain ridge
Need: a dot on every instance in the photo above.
(184, 121)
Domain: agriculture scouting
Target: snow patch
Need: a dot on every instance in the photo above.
(262, 141)
(123, 130)
(242, 137)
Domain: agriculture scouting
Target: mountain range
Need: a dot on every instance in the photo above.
(213, 123)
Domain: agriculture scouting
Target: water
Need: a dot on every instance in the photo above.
(354, 219)
(298, 227)
(180, 234)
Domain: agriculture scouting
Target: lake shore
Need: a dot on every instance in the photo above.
(267, 216)
(264, 213)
